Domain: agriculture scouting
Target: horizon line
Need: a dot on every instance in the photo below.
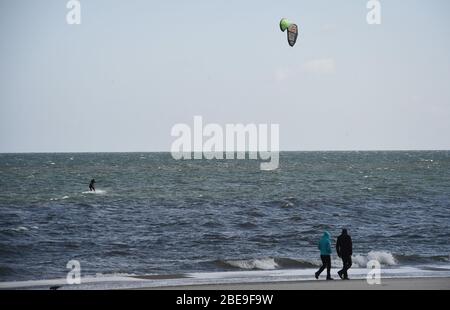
(281, 151)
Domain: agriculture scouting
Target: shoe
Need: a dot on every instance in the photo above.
(330, 279)
(346, 278)
(340, 274)
(317, 276)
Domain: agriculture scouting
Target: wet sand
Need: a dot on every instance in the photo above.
(337, 284)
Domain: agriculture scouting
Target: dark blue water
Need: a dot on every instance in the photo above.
(154, 215)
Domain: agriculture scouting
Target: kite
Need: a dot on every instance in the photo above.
(292, 30)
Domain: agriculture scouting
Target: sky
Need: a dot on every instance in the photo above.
(131, 70)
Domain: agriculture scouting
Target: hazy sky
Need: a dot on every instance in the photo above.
(133, 69)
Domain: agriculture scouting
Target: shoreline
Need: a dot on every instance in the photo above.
(434, 283)
(398, 277)
(224, 281)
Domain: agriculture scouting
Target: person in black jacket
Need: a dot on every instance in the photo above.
(92, 185)
(344, 250)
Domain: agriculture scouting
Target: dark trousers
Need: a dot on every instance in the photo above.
(347, 263)
(326, 263)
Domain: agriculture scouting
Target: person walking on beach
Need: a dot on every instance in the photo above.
(92, 185)
(325, 255)
(344, 251)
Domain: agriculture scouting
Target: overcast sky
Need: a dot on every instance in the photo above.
(133, 69)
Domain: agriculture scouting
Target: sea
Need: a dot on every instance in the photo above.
(157, 221)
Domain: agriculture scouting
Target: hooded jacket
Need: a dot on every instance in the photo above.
(325, 244)
(344, 244)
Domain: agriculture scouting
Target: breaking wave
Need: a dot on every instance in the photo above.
(265, 263)
(383, 257)
(270, 263)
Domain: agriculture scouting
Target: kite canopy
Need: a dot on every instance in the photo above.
(292, 30)
(284, 24)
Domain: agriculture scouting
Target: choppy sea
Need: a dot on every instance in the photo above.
(153, 216)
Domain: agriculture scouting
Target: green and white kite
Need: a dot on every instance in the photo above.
(292, 30)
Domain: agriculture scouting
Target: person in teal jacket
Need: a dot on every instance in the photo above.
(325, 255)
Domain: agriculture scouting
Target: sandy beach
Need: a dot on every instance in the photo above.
(387, 284)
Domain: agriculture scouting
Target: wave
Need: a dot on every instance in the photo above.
(84, 205)
(289, 202)
(247, 225)
(268, 263)
(389, 259)
(294, 263)
(271, 263)
(250, 264)
(383, 257)
(19, 229)
(62, 198)
(97, 191)
(417, 259)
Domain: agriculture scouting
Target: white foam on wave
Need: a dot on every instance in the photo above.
(56, 199)
(97, 191)
(20, 228)
(383, 257)
(359, 260)
(261, 264)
